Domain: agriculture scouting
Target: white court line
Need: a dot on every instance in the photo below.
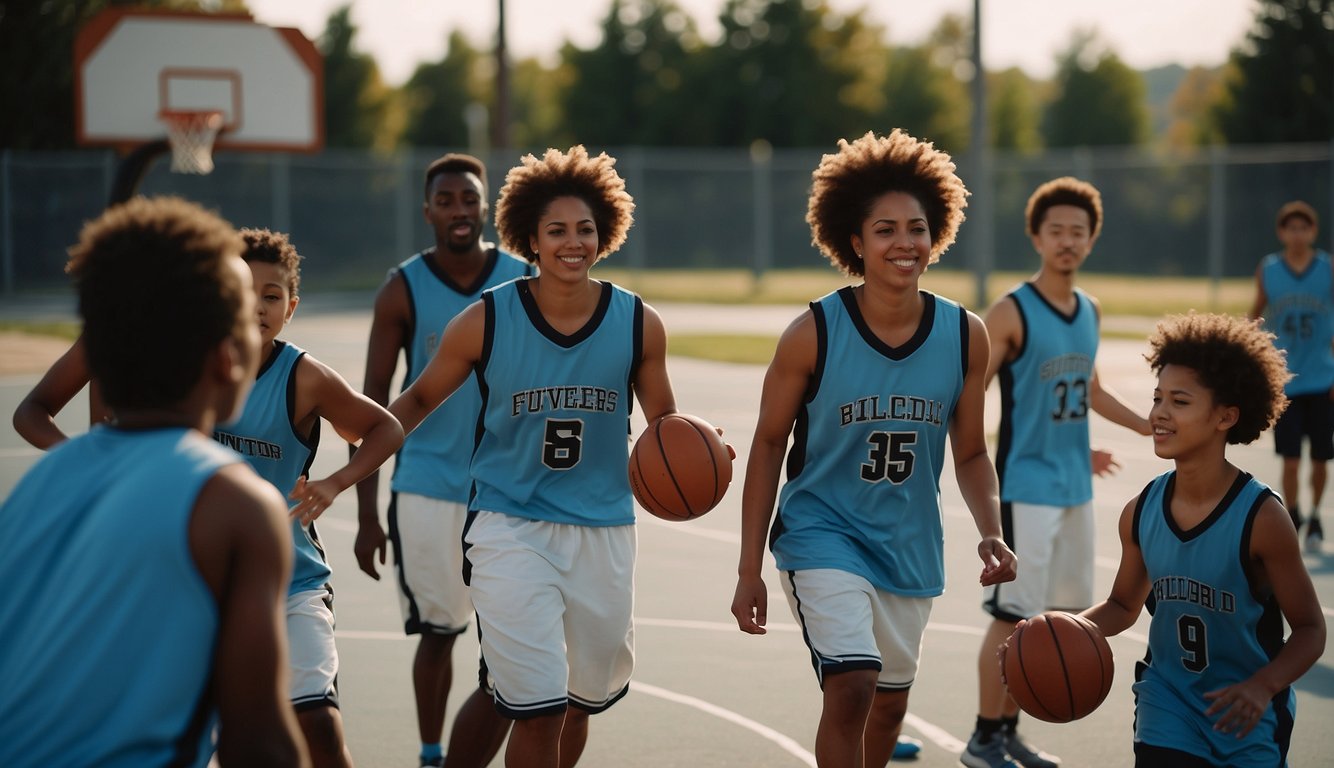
(785, 743)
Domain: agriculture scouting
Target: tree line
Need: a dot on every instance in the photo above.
(789, 73)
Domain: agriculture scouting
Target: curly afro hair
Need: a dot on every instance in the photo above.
(846, 184)
(271, 247)
(530, 188)
(1234, 358)
(1066, 190)
(169, 255)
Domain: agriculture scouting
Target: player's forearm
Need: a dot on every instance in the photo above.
(376, 447)
(1302, 650)
(1109, 406)
(34, 423)
(1112, 617)
(757, 503)
(981, 493)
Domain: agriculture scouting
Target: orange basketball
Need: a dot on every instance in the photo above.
(680, 467)
(1058, 667)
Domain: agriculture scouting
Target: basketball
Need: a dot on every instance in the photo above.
(1058, 667)
(680, 467)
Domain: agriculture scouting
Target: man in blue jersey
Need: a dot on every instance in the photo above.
(551, 534)
(1044, 346)
(1215, 557)
(146, 564)
(278, 433)
(868, 383)
(431, 484)
(1294, 292)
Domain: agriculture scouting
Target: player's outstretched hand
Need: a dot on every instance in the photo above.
(1242, 705)
(370, 541)
(314, 498)
(999, 564)
(1104, 463)
(750, 605)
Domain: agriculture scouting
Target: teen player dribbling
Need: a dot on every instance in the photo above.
(1216, 555)
(550, 538)
(872, 378)
(168, 547)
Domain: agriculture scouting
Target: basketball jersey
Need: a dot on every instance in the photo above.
(434, 458)
(1300, 312)
(109, 626)
(1209, 629)
(1042, 453)
(555, 440)
(863, 487)
(265, 437)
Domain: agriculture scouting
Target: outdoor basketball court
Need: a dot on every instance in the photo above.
(703, 693)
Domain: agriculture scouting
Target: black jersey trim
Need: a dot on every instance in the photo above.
(963, 342)
(529, 303)
(1067, 319)
(488, 267)
(411, 321)
(311, 441)
(1213, 517)
(636, 352)
(901, 352)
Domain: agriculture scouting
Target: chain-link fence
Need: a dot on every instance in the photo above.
(355, 214)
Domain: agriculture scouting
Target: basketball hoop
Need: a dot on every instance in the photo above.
(191, 135)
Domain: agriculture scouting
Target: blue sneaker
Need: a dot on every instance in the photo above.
(906, 748)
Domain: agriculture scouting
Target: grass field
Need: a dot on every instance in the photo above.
(1119, 294)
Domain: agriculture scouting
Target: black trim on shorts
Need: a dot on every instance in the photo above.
(822, 669)
(412, 625)
(541, 709)
(594, 709)
(1150, 756)
(992, 604)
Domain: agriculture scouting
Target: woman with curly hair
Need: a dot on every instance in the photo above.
(1217, 555)
(550, 541)
(873, 377)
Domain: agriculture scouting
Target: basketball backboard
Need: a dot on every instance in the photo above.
(131, 66)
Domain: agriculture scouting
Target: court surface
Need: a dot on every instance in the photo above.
(703, 693)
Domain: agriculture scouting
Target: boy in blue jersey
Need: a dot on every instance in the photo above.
(869, 383)
(278, 433)
(1216, 556)
(163, 623)
(551, 538)
(430, 484)
(1294, 292)
(1044, 346)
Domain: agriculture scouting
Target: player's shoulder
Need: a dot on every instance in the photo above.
(236, 499)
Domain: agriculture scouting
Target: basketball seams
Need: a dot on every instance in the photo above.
(1060, 668)
(667, 464)
(713, 460)
(657, 507)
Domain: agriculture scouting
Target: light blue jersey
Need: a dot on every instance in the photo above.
(1211, 627)
(434, 459)
(556, 410)
(1042, 453)
(863, 488)
(1299, 310)
(266, 438)
(109, 628)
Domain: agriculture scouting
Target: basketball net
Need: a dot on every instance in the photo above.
(191, 135)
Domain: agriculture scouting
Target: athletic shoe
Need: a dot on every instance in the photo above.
(988, 755)
(906, 748)
(1315, 536)
(1026, 754)
(433, 762)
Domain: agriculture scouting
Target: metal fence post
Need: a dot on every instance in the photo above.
(1217, 209)
(762, 186)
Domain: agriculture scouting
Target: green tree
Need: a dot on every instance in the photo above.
(1012, 98)
(791, 72)
(632, 87)
(926, 86)
(437, 95)
(1099, 100)
(37, 50)
(1192, 118)
(357, 105)
(1281, 80)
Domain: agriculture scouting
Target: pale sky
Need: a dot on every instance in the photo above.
(1026, 33)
